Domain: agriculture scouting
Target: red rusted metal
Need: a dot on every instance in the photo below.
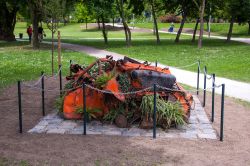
(141, 75)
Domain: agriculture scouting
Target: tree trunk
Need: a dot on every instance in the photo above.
(202, 7)
(125, 26)
(35, 18)
(7, 22)
(207, 21)
(35, 41)
(229, 35)
(98, 22)
(195, 29)
(155, 22)
(113, 19)
(128, 32)
(248, 27)
(86, 21)
(104, 31)
(177, 39)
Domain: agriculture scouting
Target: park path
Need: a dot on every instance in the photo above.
(234, 88)
(242, 40)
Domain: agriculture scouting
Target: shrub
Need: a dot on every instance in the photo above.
(170, 18)
(168, 113)
(101, 80)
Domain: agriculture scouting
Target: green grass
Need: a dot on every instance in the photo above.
(18, 61)
(74, 31)
(230, 60)
(216, 28)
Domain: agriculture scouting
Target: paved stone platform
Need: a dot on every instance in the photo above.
(199, 127)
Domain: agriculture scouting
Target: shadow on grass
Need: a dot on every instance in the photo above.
(24, 44)
(13, 43)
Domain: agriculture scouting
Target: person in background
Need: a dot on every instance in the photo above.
(40, 33)
(29, 32)
(171, 29)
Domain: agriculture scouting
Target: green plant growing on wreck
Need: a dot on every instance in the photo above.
(69, 85)
(90, 112)
(59, 103)
(113, 113)
(110, 116)
(168, 113)
(124, 84)
(101, 80)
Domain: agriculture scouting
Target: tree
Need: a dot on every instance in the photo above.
(180, 7)
(52, 13)
(35, 7)
(102, 9)
(152, 3)
(195, 29)
(236, 11)
(82, 13)
(244, 16)
(202, 8)
(8, 13)
(120, 7)
(69, 8)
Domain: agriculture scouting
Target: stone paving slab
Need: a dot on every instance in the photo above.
(199, 127)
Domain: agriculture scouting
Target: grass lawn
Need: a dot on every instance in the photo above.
(18, 61)
(230, 60)
(216, 28)
(74, 31)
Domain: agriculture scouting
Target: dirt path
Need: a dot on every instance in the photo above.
(52, 149)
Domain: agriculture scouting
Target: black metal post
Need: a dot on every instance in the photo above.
(156, 63)
(43, 101)
(70, 62)
(222, 112)
(60, 79)
(154, 115)
(198, 77)
(213, 92)
(20, 107)
(205, 86)
(84, 109)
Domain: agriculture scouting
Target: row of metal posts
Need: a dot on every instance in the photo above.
(42, 95)
(85, 112)
(213, 97)
(154, 113)
(155, 109)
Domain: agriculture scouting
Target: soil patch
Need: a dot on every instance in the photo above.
(54, 149)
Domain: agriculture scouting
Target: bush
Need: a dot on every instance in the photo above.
(170, 18)
(167, 114)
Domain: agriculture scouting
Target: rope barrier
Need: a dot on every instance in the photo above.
(118, 93)
(216, 86)
(121, 93)
(40, 78)
(52, 90)
(36, 83)
(206, 75)
(55, 76)
(34, 86)
(191, 90)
